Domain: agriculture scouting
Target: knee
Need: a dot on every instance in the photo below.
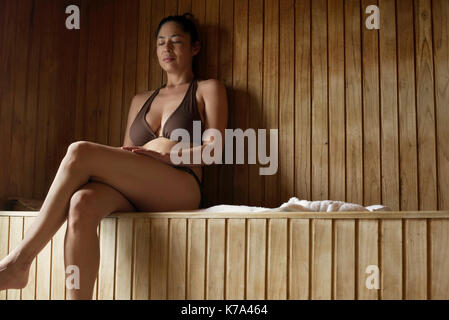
(77, 152)
(83, 214)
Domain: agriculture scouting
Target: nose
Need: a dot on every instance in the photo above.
(168, 46)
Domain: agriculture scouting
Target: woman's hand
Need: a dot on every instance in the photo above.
(164, 157)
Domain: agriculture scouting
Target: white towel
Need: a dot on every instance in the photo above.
(294, 204)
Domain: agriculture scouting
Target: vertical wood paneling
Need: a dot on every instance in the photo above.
(336, 99)
(211, 61)
(143, 45)
(440, 11)
(157, 13)
(344, 268)
(177, 260)
(367, 255)
(141, 261)
(57, 264)
(286, 164)
(320, 112)
(215, 267)
(4, 245)
(299, 256)
(118, 104)
(303, 107)
(196, 259)
(235, 259)
(19, 92)
(256, 260)
(407, 107)
(29, 292)
(7, 55)
(277, 260)
(271, 91)
(354, 106)
(439, 259)
(389, 105)
(225, 74)
(371, 111)
(255, 86)
(425, 106)
(15, 237)
(415, 239)
(43, 273)
(158, 259)
(240, 97)
(123, 260)
(391, 259)
(106, 271)
(321, 259)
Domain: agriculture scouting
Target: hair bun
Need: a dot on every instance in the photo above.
(188, 15)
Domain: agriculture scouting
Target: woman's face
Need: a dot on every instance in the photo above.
(174, 44)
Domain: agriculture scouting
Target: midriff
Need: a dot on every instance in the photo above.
(164, 145)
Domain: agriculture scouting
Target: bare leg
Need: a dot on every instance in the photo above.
(14, 268)
(81, 245)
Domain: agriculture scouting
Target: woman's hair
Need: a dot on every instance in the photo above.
(187, 25)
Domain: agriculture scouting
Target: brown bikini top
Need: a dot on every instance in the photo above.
(183, 116)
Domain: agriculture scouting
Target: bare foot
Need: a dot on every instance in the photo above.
(13, 275)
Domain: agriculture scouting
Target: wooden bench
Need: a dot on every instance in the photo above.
(275, 255)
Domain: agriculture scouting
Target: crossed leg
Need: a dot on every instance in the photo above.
(146, 183)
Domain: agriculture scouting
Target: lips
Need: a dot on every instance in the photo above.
(168, 59)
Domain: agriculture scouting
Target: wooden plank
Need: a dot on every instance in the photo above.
(118, 58)
(143, 45)
(82, 69)
(225, 71)
(321, 259)
(141, 273)
(256, 259)
(336, 33)
(15, 237)
(271, 93)
(196, 259)
(439, 259)
(389, 104)
(416, 271)
(277, 278)
(43, 273)
(123, 259)
(130, 63)
(368, 255)
(106, 45)
(303, 111)
(235, 259)
(440, 11)
(171, 7)
(4, 245)
(29, 292)
(255, 86)
(299, 257)
(157, 14)
(177, 260)
(391, 260)
(7, 90)
(425, 106)
(158, 259)
(354, 121)
(215, 265)
(106, 271)
(184, 6)
(371, 105)
(95, 289)
(320, 143)
(344, 269)
(240, 97)
(407, 106)
(199, 11)
(286, 100)
(57, 264)
(19, 92)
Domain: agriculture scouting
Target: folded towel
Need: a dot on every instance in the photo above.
(294, 204)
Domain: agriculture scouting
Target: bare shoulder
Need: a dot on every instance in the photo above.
(210, 88)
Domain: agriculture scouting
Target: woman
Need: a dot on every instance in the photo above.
(95, 180)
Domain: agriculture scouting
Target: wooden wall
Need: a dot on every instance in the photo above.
(362, 114)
